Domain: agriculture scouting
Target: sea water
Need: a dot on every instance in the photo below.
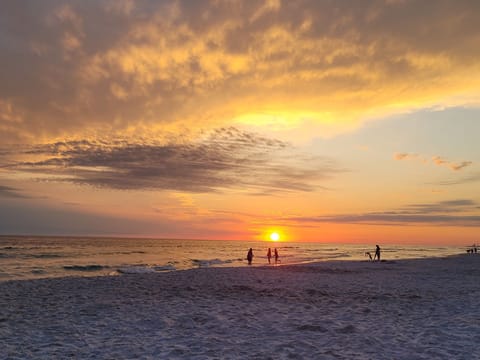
(23, 257)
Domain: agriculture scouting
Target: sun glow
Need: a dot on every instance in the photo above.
(274, 236)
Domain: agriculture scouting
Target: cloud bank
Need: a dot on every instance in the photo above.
(9, 192)
(226, 158)
(79, 68)
(461, 212)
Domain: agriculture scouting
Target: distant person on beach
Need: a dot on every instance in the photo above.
(269, 255)
(377, 253)
(250, 256)
(276, 255)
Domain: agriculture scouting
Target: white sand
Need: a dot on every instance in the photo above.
(410, 309)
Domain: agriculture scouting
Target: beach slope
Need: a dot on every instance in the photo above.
(407, 309)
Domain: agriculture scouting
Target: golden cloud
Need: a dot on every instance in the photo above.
(436, 160)
(299, 64)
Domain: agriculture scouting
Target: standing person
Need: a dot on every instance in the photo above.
(269, 255)
(276, 255)
(377, 253)
(250, 256)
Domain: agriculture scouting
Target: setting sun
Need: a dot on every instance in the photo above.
(274, 236)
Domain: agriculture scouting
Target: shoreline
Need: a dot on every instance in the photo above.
(402, 309)
(40, 258)
(95, 270)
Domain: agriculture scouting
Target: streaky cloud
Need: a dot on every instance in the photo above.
(461, 212)
(465, 180)
(461, 165)
(226, 158)
(10, 192)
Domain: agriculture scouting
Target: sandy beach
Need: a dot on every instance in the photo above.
(406, 309)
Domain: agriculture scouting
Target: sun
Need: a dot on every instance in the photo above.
(274, 236)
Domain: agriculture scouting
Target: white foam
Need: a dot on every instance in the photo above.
(145, 269)
(136, 270)
(164, 268)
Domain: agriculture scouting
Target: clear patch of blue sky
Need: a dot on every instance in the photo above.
(453, 133)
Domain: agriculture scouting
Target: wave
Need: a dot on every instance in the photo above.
(135, 270)
(165, 268)
(44, 256)
(38, 271)
(4, 255)
(339, 255)
(93, 267)
(123, 252)
(145, 269)
(211, 262)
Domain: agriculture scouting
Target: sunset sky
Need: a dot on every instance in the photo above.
(330, 121)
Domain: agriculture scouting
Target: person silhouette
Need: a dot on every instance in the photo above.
(269, 255)
(377, 253)
(250, 256)
(276, 255)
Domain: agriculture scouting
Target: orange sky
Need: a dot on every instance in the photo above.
(229, 119)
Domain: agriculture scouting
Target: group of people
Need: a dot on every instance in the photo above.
(269, 256)
(473, 249)
(376, 256)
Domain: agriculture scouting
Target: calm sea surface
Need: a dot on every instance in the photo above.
(45, 257)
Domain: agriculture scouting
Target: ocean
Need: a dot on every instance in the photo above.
(28, 257)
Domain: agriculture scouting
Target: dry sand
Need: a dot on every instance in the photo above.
(408, 309)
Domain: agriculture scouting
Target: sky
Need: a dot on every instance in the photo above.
(327, 121)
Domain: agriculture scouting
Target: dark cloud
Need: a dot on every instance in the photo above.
(445, 213)
(225, 159)
(9, 192)
(447, 206)
(465, 180)
(40, 219)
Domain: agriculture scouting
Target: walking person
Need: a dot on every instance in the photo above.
(276, 255)
(377, 253)
(269, 255)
